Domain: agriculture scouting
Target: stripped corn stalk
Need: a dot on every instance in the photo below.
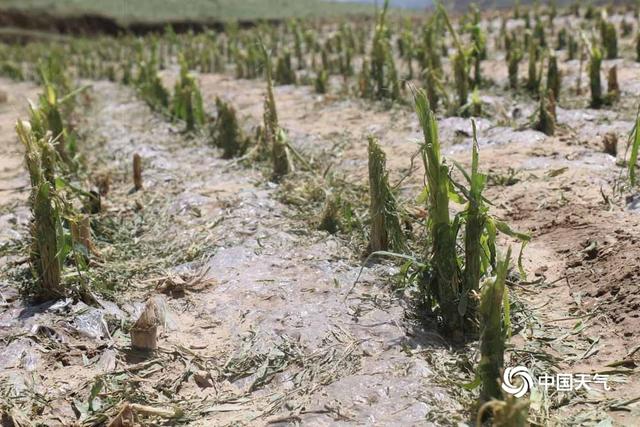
(546, 117)
(460, 62)
(476, 218)
(280, 154)
(513, 58)
(226, 132)
(492, 338)
(329, 218)
(594, 77)
(46, 255)
(553, 77)
(187, 100)
(444, 283)
(273, 134)
(634, 142)
(386, 232)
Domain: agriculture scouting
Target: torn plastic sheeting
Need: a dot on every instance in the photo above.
(12, 355)
(49, 332)
(18, 382)
(112, 309)
(30, 359)
(90, 323)
(107, 361)
(60, 305)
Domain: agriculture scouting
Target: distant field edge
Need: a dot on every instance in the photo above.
(96, 24)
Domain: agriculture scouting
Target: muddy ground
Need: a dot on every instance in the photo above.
(269, 327)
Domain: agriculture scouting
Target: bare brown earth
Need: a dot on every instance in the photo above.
(269, 328)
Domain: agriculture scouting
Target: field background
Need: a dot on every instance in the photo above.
(125, 11)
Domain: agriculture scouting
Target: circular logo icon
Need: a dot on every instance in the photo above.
(525, 383)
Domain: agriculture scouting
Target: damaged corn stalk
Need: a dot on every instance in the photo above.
(386, 232)
(329, 219)
(433, 88)
(321, 82)
(514, 56)
(546, 122)
(533, 79)
(285, 75)
(272, 133)
(365, 89)
(613, 88)
(554, 77)
(479, 52)
(480, 232)
(634, 144)
(494, 331)
(454, 280)
(186, 104)
(460, 63)
(226, 132)
(406, 46)
(150, 87)
(475, 224)
(383, 69)
(443, 284)
(47, 252)
(609, 37)
(47, 118)
(595, 83)
(280, 155)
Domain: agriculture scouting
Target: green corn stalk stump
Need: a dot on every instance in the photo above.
(452, 280)
(634, 144)
(494, 331)
(329, 219)
(546, 122)
(321, 82)
(461, 62)
(386, 232)
(443, 284)
(595, 82)
(186, 104)
(554, 77)
(513, 63)
(150, 86)
(226, 132)
(47, 247)
(383, 70)
(285, 75)
(274, 135)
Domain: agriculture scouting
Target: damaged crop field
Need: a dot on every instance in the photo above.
(426, 217)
